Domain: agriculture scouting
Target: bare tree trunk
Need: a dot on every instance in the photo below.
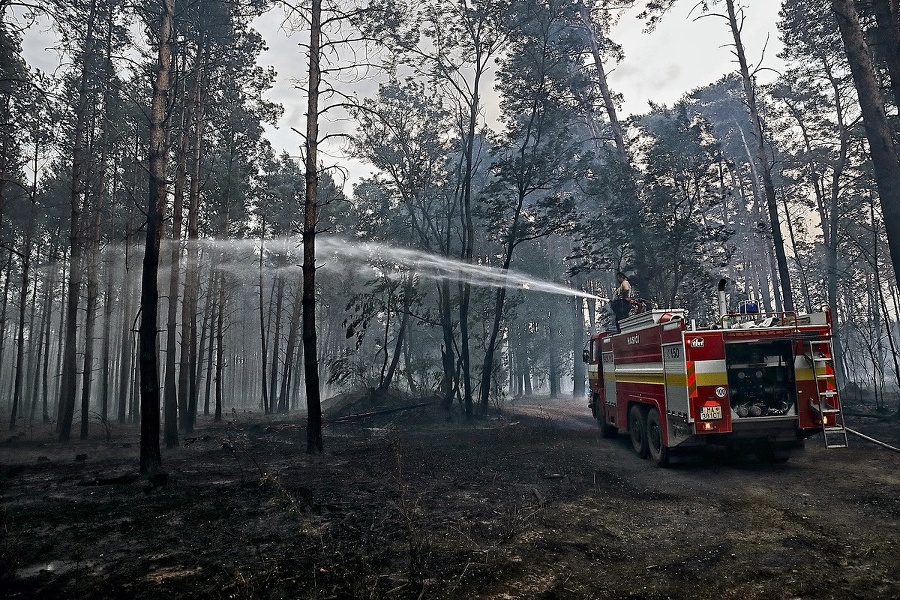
(126, 351)
(63, 307)
(801, 269)
(763, 158)
(878, 130)
(20, 337)
(310, 222)
(278, 297)
(407, 361)
(447, 348)
(209, 337)
(579, 372)
(526, 372)
(23, 297)
(290, 350)
(93, 271)
(43, 339)
(3, 311)
(91, 309)
(68, 379)
(126, 345)
(220, 346)
(147, 340)
(262, 319)
(388, 377)
(170, 393)
(106, 366)
(188, 371)
(398, 350)
(603, 84)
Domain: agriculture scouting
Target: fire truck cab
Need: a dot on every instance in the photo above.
(761, 381)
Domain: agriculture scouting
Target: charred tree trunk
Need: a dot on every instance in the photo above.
(209, 338)
(170, 386)
(68, 378)
(7, 270)
(126, 350)
(23, 297)
(579, 372)
(106, 361)
(389, 370)
(552, 356)
(188, 370)
(126, 345)
(278, 298)
(220, 347)
(91, 309)
(290, 351)
(148, 356)
(262, 319)
(42, 360)
(310, 222)
(94, 260)
(448, 360)
(398, 349)
(20, 336)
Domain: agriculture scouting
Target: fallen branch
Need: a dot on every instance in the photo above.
(381, 412)
(871, 439)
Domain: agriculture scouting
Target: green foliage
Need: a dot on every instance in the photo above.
(676, 247)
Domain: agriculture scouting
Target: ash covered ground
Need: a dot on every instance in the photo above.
(417, 503)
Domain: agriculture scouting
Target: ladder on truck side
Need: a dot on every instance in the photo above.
(827, 403)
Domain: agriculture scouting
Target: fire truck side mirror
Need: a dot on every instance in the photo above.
(586, 355)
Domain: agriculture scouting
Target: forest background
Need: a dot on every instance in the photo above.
(161, 258)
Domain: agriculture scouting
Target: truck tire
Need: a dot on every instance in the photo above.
(637, 426)
(606, 430)
(658, 451)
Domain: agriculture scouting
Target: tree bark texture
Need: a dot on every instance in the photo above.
(148, 357)
(310, 217)
(878, 130)
(188, 372)
(68, 379)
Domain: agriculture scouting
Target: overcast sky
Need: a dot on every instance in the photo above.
(683, 53)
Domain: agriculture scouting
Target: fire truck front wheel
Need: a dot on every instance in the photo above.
(637, 427)
(657, 449)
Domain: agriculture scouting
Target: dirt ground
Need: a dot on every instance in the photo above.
(420, 504)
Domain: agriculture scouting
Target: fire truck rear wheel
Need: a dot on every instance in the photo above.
(659, 453)
(637, 426)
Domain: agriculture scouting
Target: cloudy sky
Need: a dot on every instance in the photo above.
(686, 51)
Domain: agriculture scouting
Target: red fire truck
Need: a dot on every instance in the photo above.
(761, 381)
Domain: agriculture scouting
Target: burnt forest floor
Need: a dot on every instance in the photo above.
(420, 504)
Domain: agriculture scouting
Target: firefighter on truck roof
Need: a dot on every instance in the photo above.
(621, 303)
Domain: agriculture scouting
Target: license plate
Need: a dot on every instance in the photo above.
(710, 413)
